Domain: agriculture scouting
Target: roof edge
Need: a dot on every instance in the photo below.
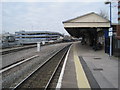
(83, 16)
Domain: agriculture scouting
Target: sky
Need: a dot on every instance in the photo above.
(47, 15)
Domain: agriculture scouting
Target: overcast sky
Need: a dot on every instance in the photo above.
(47, 16)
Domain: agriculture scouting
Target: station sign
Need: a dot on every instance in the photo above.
(110, 29)
(110, 32)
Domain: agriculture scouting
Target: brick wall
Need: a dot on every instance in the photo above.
(118, 31)
(119, 12)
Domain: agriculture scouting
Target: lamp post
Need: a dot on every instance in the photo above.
(110, 30)
(110, 12)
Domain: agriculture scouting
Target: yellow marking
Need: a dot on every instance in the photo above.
(80, 74)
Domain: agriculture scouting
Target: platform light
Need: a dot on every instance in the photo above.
(108, 2)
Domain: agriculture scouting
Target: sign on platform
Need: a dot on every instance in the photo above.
(110, 29)
(110, 32)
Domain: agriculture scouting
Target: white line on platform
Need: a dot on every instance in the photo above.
(62, 71)
(7, 68)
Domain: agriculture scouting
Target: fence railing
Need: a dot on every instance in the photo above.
(116, 47)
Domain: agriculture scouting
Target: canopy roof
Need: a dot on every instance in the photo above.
(87, 20)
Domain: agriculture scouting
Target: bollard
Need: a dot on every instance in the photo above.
(38, 46)
(43, 42)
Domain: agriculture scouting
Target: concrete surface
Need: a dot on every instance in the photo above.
(69, 78)
(106, 78)
(103, 68)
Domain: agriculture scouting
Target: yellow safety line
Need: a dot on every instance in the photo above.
(80, 74)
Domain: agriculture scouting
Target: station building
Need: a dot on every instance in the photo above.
(92, 27)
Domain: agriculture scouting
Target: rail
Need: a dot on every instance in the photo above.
(61, 53)
(16, 64)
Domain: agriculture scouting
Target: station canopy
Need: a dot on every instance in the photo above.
(79, 25)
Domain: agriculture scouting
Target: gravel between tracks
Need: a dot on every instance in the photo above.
(41, 77)
(10, 58)
(14, 76)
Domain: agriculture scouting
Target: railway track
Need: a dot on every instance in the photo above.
(15, 73)
(42, 76)
(7, 51)
(16, 49)
(20, 55)
(4, 69)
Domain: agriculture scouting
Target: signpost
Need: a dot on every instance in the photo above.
(110, 35)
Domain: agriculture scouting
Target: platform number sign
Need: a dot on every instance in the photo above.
(110, 31)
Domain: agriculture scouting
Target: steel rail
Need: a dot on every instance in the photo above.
(58, 86)
(47, 85)
(16, 64)
(14, 88)
(4, 52)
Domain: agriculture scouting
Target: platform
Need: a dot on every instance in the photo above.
(86, 68)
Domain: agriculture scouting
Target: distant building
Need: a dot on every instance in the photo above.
(7, 37)
(119, 12)
(7, 40)
(67, 38)
(116, 39)
(118, 26)
(30, 37)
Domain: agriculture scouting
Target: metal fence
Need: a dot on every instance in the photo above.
(116, 47)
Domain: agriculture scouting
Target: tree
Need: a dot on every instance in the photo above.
(104, 14)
